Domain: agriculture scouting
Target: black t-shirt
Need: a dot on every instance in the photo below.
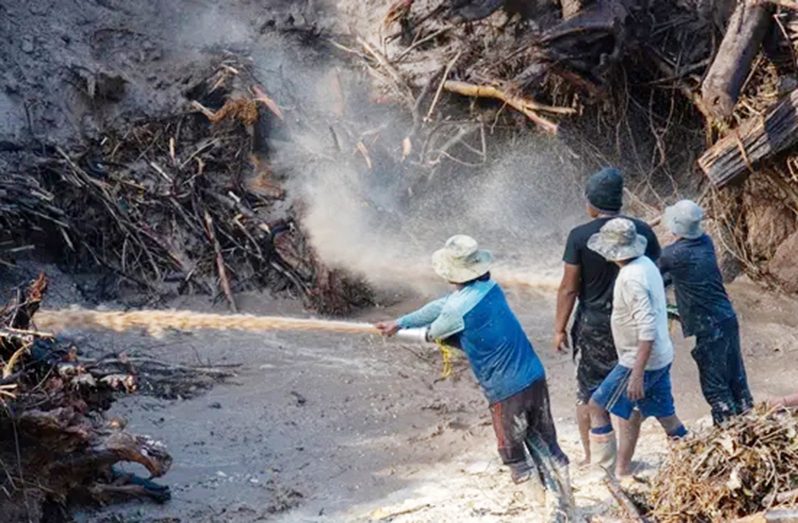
(598, 274)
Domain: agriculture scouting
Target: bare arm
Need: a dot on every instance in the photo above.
(566, 298)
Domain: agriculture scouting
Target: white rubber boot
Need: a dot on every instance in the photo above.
(603, 450)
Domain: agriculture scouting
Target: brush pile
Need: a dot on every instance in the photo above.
(55, 445)
(182, 204)
(745, 467)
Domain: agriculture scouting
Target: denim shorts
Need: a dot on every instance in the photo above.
(657, 400)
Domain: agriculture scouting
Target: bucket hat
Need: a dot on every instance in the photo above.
(461, 260)
(683, 218)
(618, 240)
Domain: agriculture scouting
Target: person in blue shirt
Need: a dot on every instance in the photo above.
(477, 319)
(705, 312)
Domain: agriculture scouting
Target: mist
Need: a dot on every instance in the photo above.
(338, 153)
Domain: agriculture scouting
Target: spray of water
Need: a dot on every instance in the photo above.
(364, 210)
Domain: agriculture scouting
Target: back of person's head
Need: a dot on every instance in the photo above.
(683, 219)
(604, 190)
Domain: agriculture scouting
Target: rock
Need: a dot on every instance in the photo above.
(215, 405)
(783, 267)
(27, 45)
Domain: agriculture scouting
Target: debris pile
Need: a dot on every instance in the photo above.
(56, 446)
(747, 466)
(186, 203)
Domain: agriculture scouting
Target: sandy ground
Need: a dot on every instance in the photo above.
(329, 428)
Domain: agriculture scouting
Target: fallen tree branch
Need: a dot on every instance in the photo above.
(525, 106)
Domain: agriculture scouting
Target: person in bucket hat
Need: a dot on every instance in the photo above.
(477, 318)
(641, 378)
(586, 286)
(705, 311)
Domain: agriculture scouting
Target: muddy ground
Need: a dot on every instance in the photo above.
(340, 428)
(314, 428)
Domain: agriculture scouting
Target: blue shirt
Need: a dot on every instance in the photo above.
(692, 267)
(480, 319)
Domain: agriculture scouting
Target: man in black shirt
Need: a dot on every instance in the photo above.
(590, 278)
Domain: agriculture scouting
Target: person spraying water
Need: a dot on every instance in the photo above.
(477, 319)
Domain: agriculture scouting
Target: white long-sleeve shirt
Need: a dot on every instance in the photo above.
(639, 313)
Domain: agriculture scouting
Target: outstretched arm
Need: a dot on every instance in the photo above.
(566, 298)
(424, 316)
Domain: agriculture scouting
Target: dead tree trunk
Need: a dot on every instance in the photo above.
(734, 156)
(744, 33)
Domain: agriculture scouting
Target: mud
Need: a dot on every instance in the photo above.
(318, 428)
(349, 428)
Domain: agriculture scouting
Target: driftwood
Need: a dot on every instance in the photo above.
(525, 106)
(736, 155)
(727, 74)
(630, 510)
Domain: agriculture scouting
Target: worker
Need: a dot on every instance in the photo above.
(590, 278)
(641, 379)
(705, 311)
(477, 318)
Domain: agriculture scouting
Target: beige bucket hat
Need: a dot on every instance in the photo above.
(461, 260)
(618, 240)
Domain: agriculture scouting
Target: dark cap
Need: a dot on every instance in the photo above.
(604, 190)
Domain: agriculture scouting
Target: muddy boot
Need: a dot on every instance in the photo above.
(563, 476)
(558, 505)
(603, 450)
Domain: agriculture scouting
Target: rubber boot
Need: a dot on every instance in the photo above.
(564, 477)
(603, 450)
(558, 503)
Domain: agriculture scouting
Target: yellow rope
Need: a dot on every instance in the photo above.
(446, 356)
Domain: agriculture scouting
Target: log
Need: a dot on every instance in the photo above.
(736, 155)
(730, 68)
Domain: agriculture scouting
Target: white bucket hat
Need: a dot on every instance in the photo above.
(683, 218)
(461, 260)
(618, 240)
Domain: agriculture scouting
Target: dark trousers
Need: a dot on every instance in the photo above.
(594, 348)
(722, 372)
(523, 421)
